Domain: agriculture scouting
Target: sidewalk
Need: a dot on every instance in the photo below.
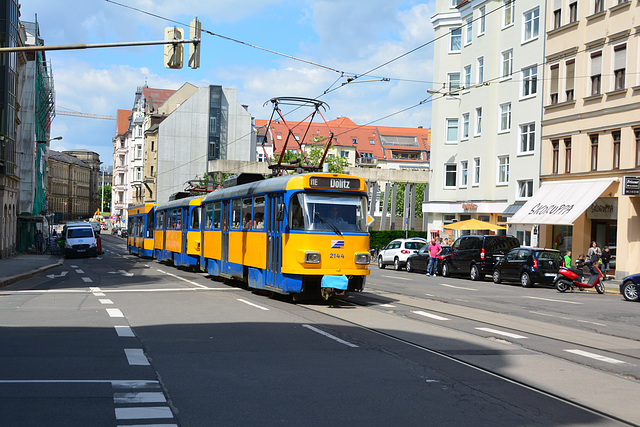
(22, 266)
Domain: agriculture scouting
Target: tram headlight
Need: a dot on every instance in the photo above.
(363, 258)
(312, 257)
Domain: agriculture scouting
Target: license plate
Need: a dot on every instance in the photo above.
(81, 250)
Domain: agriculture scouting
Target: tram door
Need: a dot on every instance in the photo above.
(224, 225)
(274, 239)
(185, 229)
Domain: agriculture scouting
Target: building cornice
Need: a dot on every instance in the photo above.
(563, 54)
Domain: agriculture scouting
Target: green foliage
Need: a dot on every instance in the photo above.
(420, 187)
(380, 238)
(106, 189)
(314, 155)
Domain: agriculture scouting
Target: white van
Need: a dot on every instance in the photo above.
(80, 240)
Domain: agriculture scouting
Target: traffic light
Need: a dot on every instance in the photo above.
(194, 47)
(173, 52)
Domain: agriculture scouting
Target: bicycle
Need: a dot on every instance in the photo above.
(53, 248)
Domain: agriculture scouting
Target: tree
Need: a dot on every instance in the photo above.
(105, 194)
(399, 208)
(314, 155)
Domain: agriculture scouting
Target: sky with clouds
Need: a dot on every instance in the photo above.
(350, 37)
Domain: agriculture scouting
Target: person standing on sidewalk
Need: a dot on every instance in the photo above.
(594, 253)
(606, 259)
(434, 250)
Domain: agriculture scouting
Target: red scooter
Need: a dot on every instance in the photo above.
(570, 278)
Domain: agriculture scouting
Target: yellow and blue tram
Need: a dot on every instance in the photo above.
(177, 232)
(140, 229)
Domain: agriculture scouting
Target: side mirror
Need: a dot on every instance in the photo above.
(280, 212)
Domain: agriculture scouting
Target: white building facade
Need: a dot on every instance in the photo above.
(485, 141)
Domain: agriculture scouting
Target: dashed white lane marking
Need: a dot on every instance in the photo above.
(457, 287)
(556, 300)
(136, 357)
(596, 356)
(139, 397)
(568, 318)
(74, 266)
(328, 335)
(79, 271)
(386, 305)
(87, 279)
(183, 279)
(253, 305)
(114, 312)
(124, 331)
(506, 334)
(396, 277)
(105, 301)
(432, 316)
(95, 289)
(143, 413)
(99, 294)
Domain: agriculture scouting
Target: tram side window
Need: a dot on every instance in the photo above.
(236, 214)
(258, 213)
(246, 209)
(195, 218)
(208, 216)
(150, 221)
(296, 216)
(159, 218)
(216, 215)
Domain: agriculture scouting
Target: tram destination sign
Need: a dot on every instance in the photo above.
(631, 186)
(334, 183)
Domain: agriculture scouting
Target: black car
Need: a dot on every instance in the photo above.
(476, 255)
(420, 261)
(630, 287)
(528, 266)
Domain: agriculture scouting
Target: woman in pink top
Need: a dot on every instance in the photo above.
(434, 250)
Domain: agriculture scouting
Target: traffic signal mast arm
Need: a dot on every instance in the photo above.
(91, 46)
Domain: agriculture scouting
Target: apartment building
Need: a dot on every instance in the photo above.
(485, 145)
(121, 191)
(590, 131)
(70, 182)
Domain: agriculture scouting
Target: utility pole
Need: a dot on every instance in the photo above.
(102, 193)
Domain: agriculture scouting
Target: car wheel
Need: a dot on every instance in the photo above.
(380, 263)
(409, 266)
(525, 280)
(396, 264)
(497, 278)
(474, 273)
(629, 291)
(445, 270)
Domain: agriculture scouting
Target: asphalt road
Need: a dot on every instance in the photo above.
(121, 340)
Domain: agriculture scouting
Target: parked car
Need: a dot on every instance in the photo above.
(476, 255)
(630, 287)
(397, 252)
(528, 266)
(420, 260)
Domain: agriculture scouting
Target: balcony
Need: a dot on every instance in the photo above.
(367, 161)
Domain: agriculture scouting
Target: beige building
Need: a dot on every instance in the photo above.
(590, 160)
(70, 181)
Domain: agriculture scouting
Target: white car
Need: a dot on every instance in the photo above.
(397, 252)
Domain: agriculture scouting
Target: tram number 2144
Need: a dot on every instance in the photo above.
(335, 256)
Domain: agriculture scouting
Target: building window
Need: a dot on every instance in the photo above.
(467, 76)
(464, 168)
(483, 21)
(455, 44)
(503, 169)
(478, 121)
(476, 171)
(596, 72)
(480, 76)
(372, 142)
(452, 130)
(599, 6)
(152, 171)
(594, 152)
(354, 140)
(138, 151)
(453, 80)
(469, 31)
(153, 145)
(507, 64)
(616, 149)
(527, 138)
(344, 154)
(567, 155)
(530, 81)
(531, 24)
(450, 175)
(505, 117)
(553, 91)
(619, 65)
(557, 18)
(570, 76)
(637, 134)
(279, 137)
(573, 12)
(465, 126)
(509, 6)
(525, 189)
(555, 146)
(138, 174)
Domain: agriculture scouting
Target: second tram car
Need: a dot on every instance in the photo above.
(140, 230)
(177, 232)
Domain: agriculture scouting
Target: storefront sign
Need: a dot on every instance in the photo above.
(469, 206)
(603, 208)
(631, 186)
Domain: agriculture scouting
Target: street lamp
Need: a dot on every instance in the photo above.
(57, 138)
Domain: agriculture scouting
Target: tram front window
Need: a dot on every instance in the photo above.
(337, 212)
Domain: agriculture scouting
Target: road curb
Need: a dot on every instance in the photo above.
(21, 276)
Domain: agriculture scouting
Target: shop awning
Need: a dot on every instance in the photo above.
(512, 209)
(560, 203)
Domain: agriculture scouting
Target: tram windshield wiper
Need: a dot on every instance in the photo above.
(327, 222)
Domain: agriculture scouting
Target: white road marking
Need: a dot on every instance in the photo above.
(143, 413)
(124, 331)
(53, 276)
(253, 305)
(94, 289)
(506, 334)
(457, 287)
(79, 271)
(117, 384)
(82, 291)
(139, 397)
(74, 266)
(328, 335)
(432, 316)
(114, 312)
(555, 300)
(87, 280)
(134, 384)
(386, 305)
(105, 301)
(591, 323)
(396, 277)
(136, 357)
(596, 356)
(183, 279)
(98, 294)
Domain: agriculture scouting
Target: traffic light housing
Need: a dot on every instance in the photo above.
(194, 47)
(173, 52)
